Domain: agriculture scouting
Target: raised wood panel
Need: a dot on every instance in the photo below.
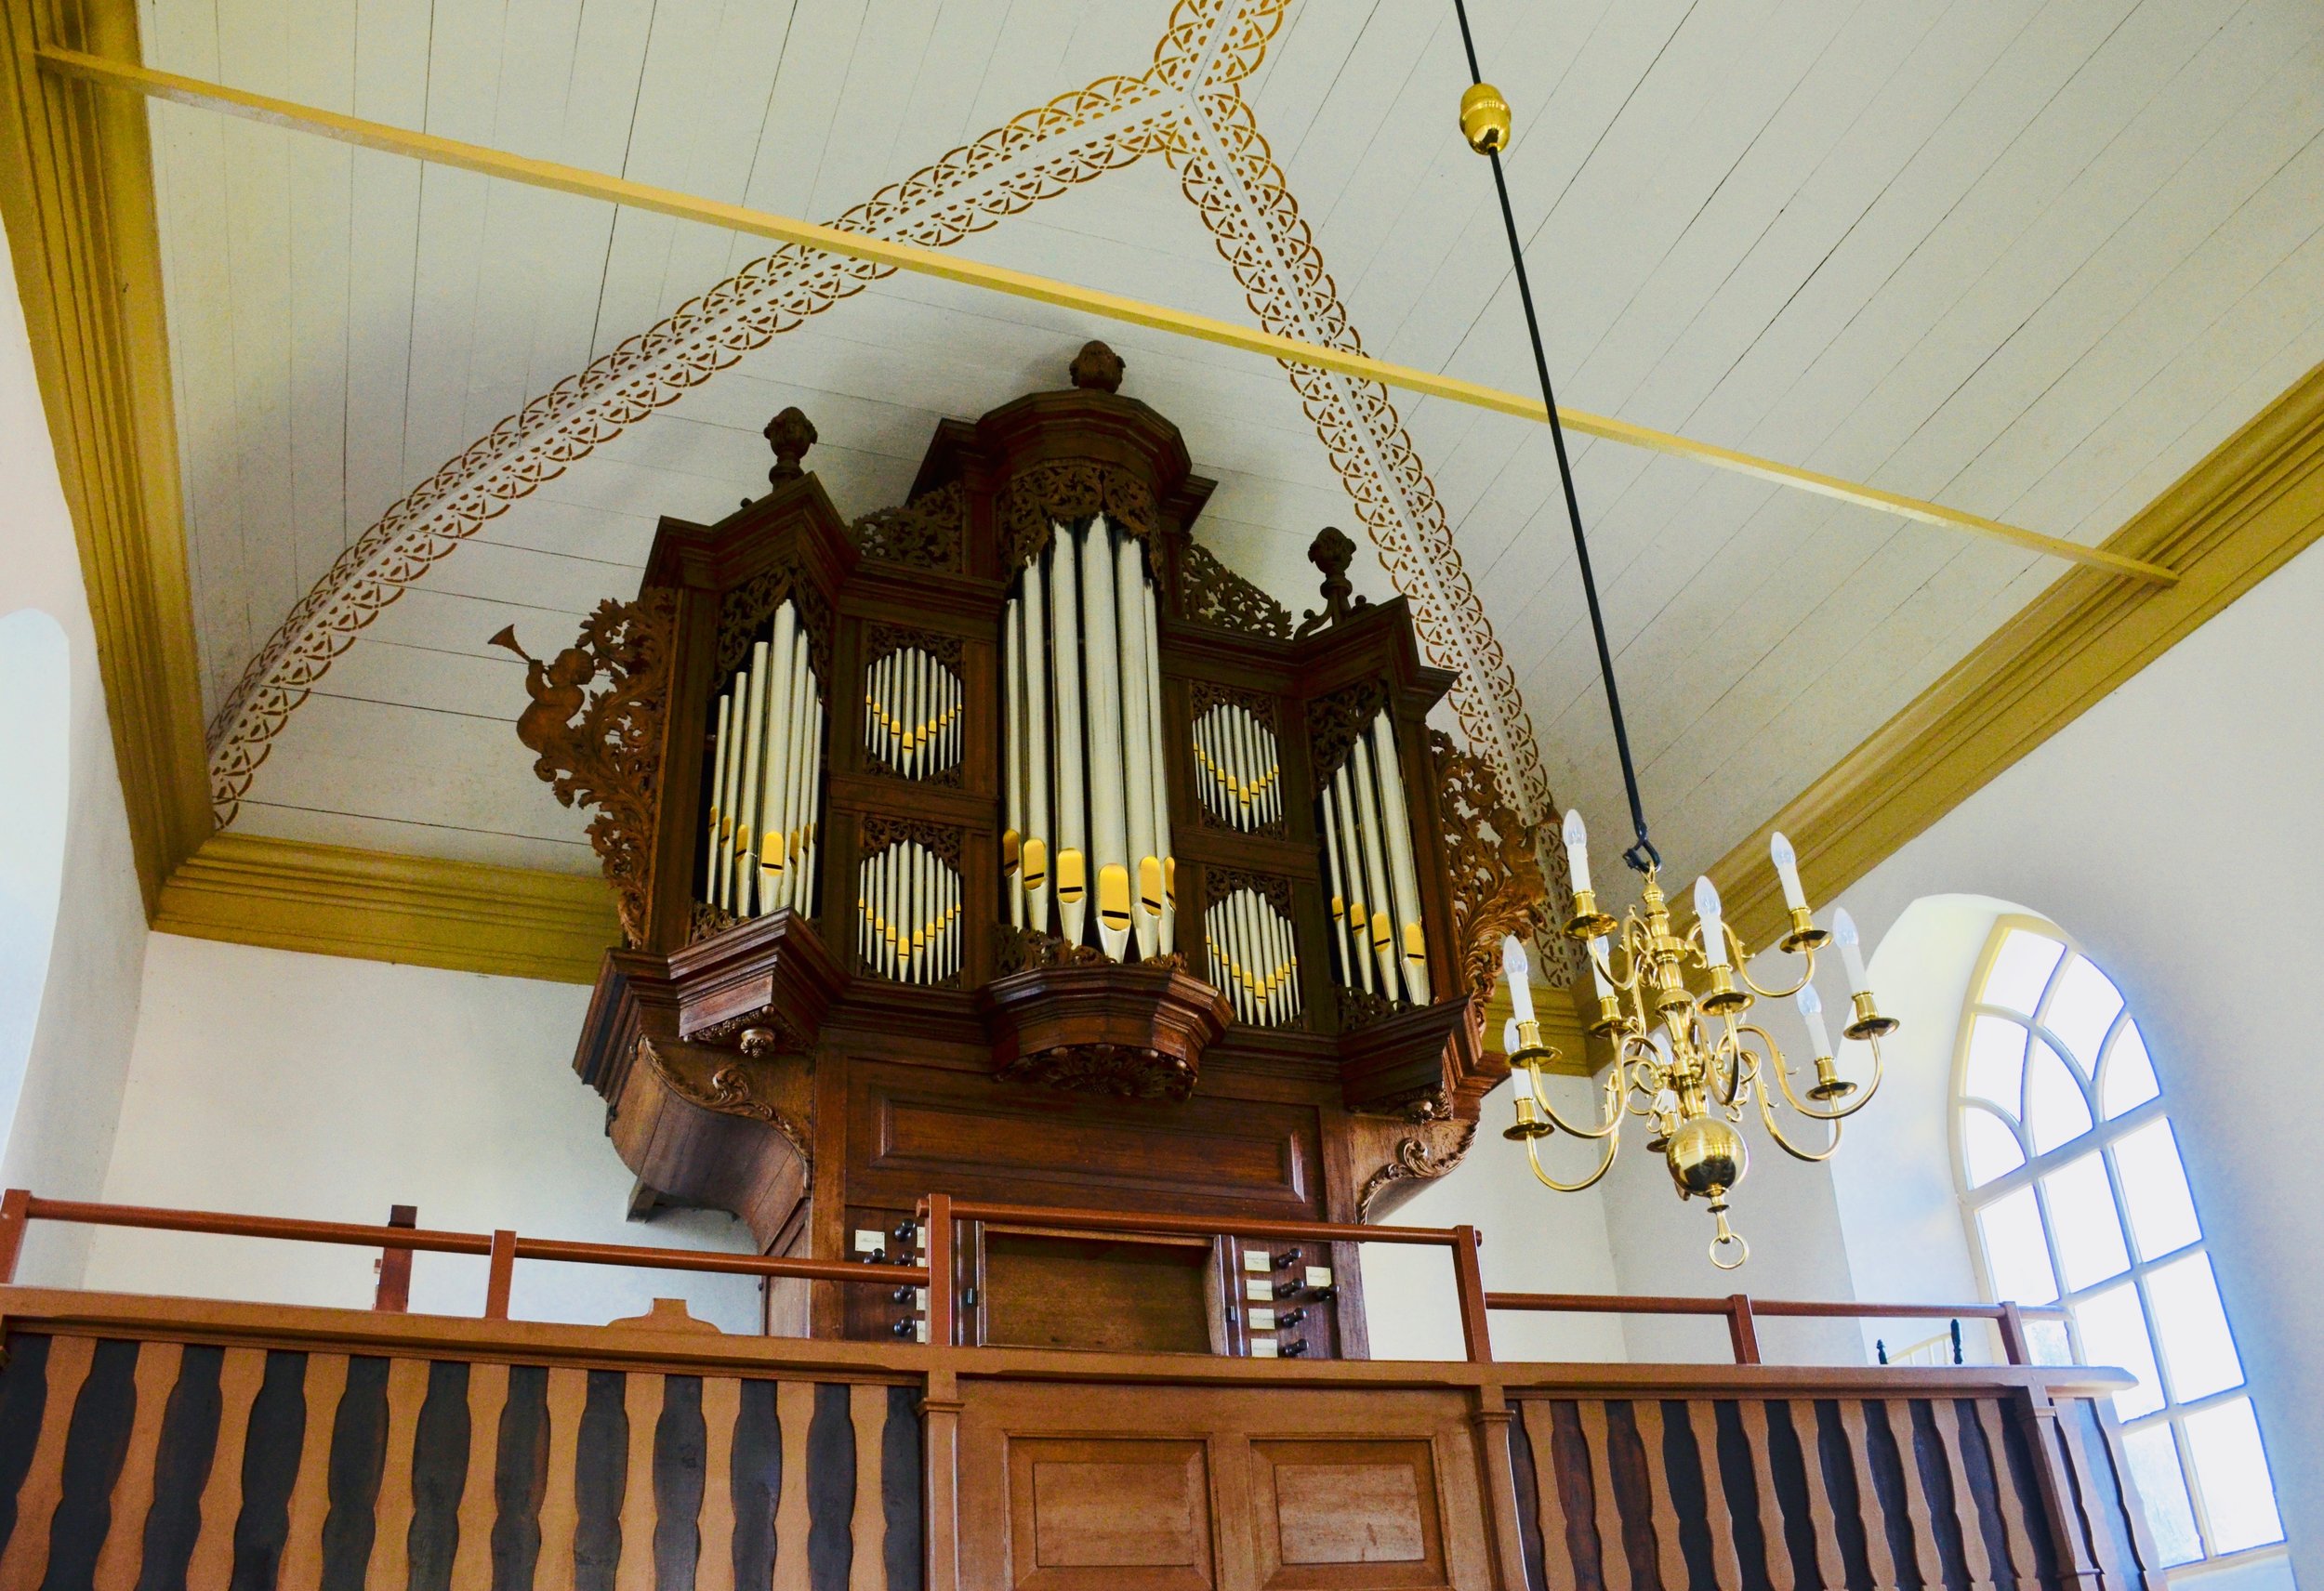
(913, 1129)
(1345, 1514)
(1052, 1290)
(1120, 1514)
(1174, 1486)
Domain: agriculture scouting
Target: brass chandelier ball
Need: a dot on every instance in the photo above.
(1484, 119)
(1707, 1156)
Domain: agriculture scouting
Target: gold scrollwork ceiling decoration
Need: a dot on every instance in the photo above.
(1189, 106)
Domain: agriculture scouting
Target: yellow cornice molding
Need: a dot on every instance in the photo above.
(76, 191)
(333, 900)
(2225, 525)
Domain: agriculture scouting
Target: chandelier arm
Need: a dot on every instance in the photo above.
(1807, 974)
(1738, 1071)
(1605, 1163)
(1865, 1097)
(1768, 1116)
(1613, 1116)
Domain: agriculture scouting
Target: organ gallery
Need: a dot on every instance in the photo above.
(1008, 844)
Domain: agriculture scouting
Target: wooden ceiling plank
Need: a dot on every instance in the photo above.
(377, 669)
(401, 839)
(390, 84)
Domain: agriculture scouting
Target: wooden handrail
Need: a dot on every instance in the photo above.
(19, 1209)
(1202, 1226)
(1742, 1310)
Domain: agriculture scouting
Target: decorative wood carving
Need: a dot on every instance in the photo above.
(1496, 885)
(1137, 1033)
(1334, 721)
(1218, 883)
(745, 611)
(1331, 552)
(602, 748)
(927, 532)
(726, 1090)
(1069, 491)
(941, 840)
(1361, 1008)
(1210, 593)
(1025, 948)
(707, 919)
(1421, 1156)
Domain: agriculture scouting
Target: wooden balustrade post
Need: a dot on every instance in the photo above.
(2062, 1505)
(1469, 1282)
(936, 1251)
(2014, 1345)
(1742, 1328)
(394, 1293)
(940, 1448)
(502, 1274)
(13, 1220)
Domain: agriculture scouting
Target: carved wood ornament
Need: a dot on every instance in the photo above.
(601, 748)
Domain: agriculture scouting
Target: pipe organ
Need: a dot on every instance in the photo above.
(1005, 842)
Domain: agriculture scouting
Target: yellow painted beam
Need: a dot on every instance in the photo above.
(1045, 290)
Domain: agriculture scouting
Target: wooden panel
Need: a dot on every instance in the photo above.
(1127, 1513)
(1051, 1290)
(1330, 1514)
(912, 1129)
(1168, 1487)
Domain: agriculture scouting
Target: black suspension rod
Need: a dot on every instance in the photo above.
(1642, 856)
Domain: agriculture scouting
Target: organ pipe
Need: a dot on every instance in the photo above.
(1084, 748)
(1013, 837)
(765, 778)
(1251, 959)
(1366, 821)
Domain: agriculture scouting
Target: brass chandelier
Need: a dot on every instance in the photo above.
(1671, 1005)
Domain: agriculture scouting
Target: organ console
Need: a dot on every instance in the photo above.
(1006, 844)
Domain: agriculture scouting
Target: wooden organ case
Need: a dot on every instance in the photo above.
(1008, 846)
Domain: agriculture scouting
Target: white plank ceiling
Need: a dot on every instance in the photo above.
(2032, 260)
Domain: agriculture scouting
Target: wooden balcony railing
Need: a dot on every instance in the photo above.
(179, 1441)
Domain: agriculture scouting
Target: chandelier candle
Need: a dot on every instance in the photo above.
(1684, 1056)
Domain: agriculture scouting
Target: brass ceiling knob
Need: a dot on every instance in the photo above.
(1485, 118)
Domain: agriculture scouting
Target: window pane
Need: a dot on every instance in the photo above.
(2046, 1342)
(2154, 1190)
(2114, 1333)
(2056, 1110)
(2190, 1325)
(2162, 1486)
(1997, 1063)
(1988, 1145)
(2021, 969)
(2231, 1473)
(2083, 1221)
(2081, 1007)
(2015, 1251)
(2130, 1078)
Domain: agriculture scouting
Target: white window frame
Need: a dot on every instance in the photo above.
(2101, 1137)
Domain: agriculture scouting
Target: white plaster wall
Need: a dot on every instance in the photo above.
(273, 1082)
(2175, 830)
(1534, 1242)
(60, 1135)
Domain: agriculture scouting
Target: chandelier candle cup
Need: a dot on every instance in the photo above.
(1803, 930)
(1587, 922)
(1867, 1021)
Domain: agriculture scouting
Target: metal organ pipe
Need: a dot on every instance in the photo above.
(718, 798)
(1404, 877)
(773, 774)
(1084, 748)
(1014, 835)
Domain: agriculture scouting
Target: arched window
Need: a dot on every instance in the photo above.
(2075, 1194)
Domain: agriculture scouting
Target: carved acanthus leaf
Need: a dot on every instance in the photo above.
(726, 1090)
(601, 747)
(1021, 950)
(927, 532)
(1334, 721)
(1066, 492)
(1496, 885)
(1423, 1157)
(1218, 883)
(745, 611)
(940, 840)
(1210, 593)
